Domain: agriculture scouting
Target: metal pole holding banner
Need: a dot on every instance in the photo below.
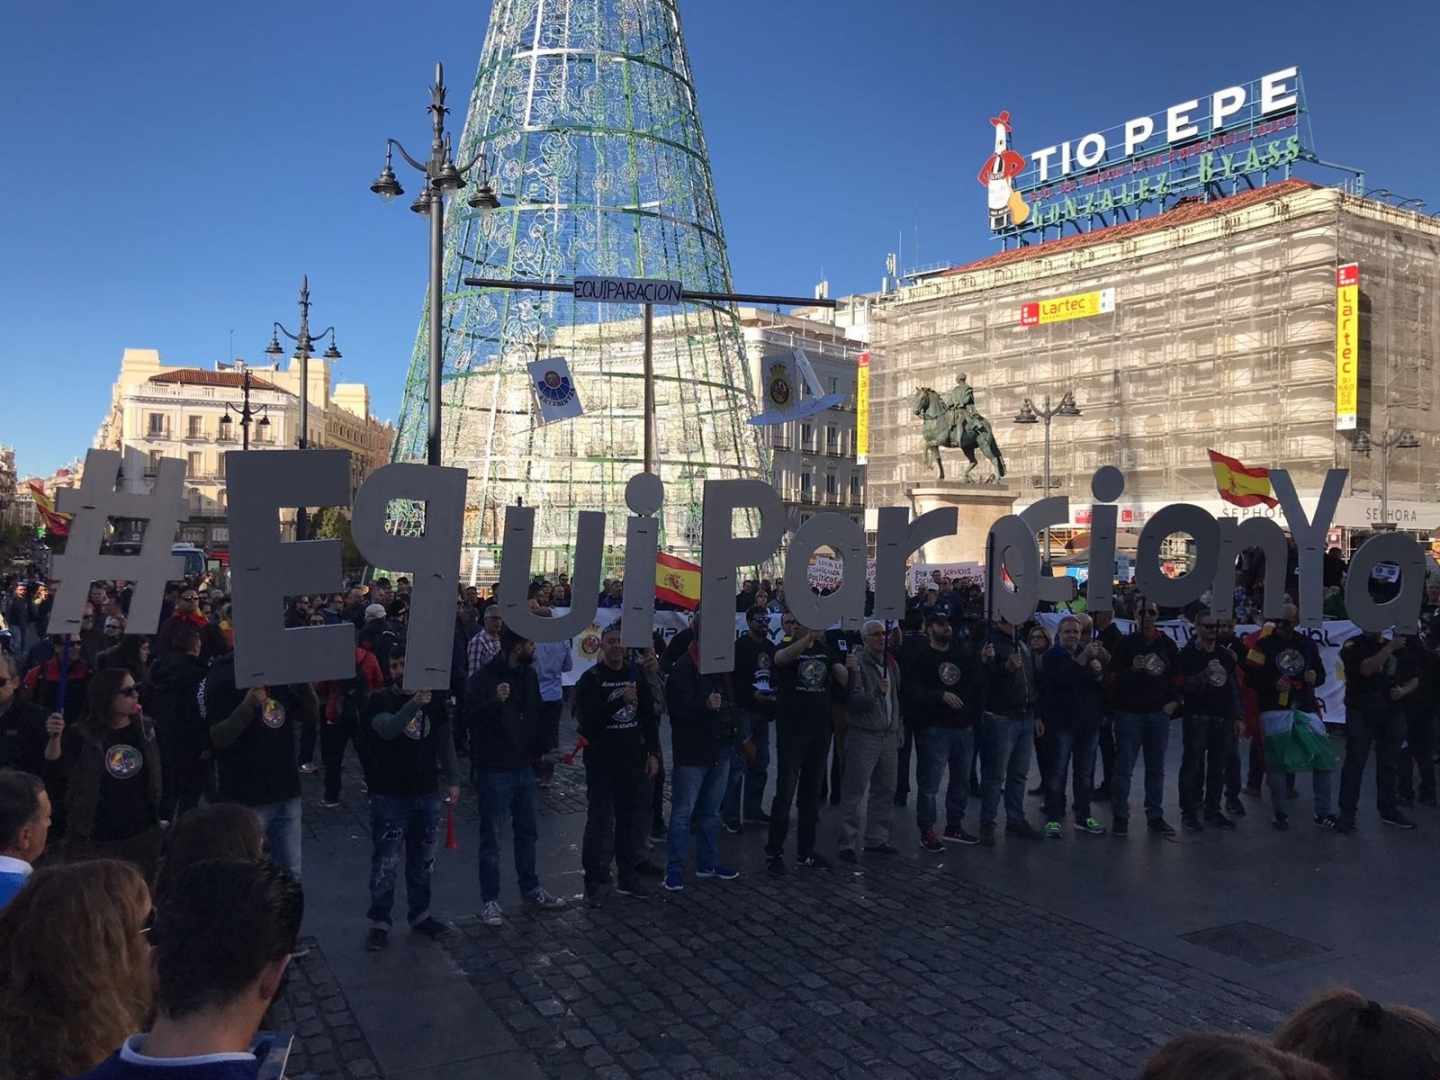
(649, 388)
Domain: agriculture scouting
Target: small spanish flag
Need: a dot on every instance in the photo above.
(57, 523)
(677, 582)
(1240, 484)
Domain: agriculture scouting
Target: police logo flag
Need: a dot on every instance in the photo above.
(554, 390)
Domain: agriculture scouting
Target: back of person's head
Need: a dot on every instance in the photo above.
(187, 640)
(217, 831)
(1204, 1055)
(22, 831)
(1360, 1039)
(74, 967)
(223, 934)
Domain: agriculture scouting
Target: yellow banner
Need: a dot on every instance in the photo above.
(1065, 308)
(862, 409)
(1347, 347)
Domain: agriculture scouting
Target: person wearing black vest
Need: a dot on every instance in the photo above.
(1374, 716)
(408, 752)
(171, 699)
(1146, 698)
(502, 707)
(805, 669)
(1007, 730)
(616, 717)
(755, 701)
(1207, 673)
(252, 733)
(943, 689)
(1418, 756)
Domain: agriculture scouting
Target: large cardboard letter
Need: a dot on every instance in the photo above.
(846, 605)
(644, 494)
(1239, 536)
(433, 558)
(1052, 511)
(1106, 485)
(264, 571)
(1403, 612)
(1011, 547)
(1151, 580)
(895, 538)
(722, 553)
(515, 576)
(1309, 537)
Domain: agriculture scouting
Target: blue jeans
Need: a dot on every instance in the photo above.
(280, 822)
(506, 793)
(695, 790)
(1007, 742)
(411, 822)
(746, 778)
(1135, 732)
(936, 748)
(1080, 747)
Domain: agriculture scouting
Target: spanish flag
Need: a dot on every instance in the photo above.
(1240, 484)
(677, 582)
(56, 522)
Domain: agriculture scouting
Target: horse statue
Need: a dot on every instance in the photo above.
(957, 429)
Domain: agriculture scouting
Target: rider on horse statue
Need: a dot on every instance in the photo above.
(960, 402)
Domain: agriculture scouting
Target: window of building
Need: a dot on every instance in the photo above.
(832, 485)
(832, 439)
(153, 466)
(155, 424)
(834, 384)
(807, 438)
(196, 427)
(854, 487)
(193, 464)
(807, 486)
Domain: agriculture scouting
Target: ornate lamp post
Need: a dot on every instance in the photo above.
(245, 413)
(441, 177)
(1404, 439)
(1028, 414)
(304, 345)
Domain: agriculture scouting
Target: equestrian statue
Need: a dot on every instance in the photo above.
(951, 420)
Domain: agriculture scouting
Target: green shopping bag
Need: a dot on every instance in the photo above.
(1303, 747)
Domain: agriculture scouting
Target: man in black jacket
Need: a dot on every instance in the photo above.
(616, 717)
(1212, 700)
(943, 689)
(408, 752)
(755, 700)
(1007, 731)
(171, 699)
(1146, 697)
(1374, 716)
(1072, 702)
(502, 706)
(704, 734)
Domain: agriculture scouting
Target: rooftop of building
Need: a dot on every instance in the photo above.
(201, 377)
(1185, 212)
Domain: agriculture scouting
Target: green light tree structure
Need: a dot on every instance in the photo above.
(585, 119)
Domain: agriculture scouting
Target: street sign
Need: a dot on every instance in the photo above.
(615, 290)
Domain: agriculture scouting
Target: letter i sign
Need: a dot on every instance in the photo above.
(93, 506)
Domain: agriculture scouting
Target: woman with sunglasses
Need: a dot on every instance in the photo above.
(112, 769)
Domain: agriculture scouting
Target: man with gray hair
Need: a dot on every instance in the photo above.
(871, 746)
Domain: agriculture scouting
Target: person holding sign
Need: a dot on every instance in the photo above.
(502, 706)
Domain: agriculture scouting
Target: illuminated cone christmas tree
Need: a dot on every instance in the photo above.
(585, 118)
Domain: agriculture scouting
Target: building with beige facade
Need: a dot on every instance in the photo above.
(193, 414)
(1220, 334)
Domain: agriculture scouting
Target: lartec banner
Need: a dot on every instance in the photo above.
(862, 409)
(1065, 308)
(1347, 346)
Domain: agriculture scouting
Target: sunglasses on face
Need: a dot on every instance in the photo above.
(189, 598)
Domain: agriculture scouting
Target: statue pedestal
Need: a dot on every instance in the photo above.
(979, 505)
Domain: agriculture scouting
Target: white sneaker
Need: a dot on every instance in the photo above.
(309, 768)
(491, 915)
(544, 901)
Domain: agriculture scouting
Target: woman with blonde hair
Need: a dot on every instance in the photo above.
(74, 968)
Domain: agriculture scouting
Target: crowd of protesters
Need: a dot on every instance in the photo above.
(115, 748)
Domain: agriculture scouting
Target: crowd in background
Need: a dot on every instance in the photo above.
(127, 757)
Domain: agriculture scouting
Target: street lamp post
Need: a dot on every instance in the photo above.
(304, 345)
(1028, 414)
(441, 177)
(1404, 439)
(245, 413)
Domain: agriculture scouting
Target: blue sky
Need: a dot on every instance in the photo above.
(173, 168)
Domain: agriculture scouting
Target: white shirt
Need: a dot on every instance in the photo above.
(130, 1052)
(17, 867)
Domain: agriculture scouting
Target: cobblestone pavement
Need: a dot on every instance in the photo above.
(899, 971)
(329, 1044)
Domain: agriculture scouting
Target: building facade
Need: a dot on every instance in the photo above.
(194, 414)
(1220, 334)
(812, 460)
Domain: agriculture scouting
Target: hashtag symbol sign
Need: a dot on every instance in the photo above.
(93, 505)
